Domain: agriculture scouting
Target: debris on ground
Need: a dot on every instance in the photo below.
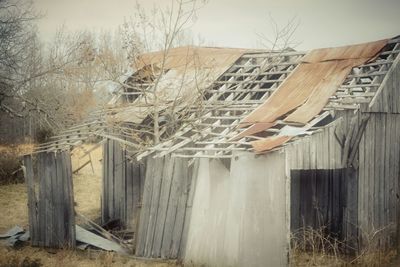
(14, 237)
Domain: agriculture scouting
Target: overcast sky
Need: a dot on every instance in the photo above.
(234, 23)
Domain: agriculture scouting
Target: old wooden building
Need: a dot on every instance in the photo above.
(252, 145)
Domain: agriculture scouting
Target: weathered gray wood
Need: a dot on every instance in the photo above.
(53, 220)
(172, 210)
(129, 182)
(192, 187)
(69, 220)
(105, 185)
(118, 181)
(347, 143)
(181, 208)
(145, 208)
(163, 205)
(111, 180)
(378, 176)
(387, 96)
(58, 199)
(32, 200)
(41, 203)
(155, 198)
(137, 176)
(124, 213)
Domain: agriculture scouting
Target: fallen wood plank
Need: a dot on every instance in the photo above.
(81, 167)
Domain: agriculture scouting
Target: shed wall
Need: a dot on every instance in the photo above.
(320, 151)
(50, 199)
(379, 174)
(239, 215)
(387, 99)
(123, 181)
(166, 202)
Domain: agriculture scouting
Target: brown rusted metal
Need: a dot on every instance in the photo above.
(255, 128)
(190, 57)
(307, 90)
(264, 145)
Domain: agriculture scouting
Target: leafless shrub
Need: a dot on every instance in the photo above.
(313, 247)
(10, 167)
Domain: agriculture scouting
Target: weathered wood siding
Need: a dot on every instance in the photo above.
(325, 199)
(166, 202)
(123, 181)
(379, 174)
(50, 199)
(387, 98)
(321, 150)
(239, 216)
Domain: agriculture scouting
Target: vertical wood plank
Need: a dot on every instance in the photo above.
(118, 195)
(32, 201)
(69, 223)
(111, 181)
(58, 199)
(192, 187)
(183, 192)
(155, 198)
(129, 194)
(105, 185)
(145, 208)
(163, 204)
(172, 210)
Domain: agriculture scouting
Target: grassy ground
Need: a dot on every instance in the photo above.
(87, 189)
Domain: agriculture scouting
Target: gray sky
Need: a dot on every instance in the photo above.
(234, 23)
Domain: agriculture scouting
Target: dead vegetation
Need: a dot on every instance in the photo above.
(10, 165)
(312, 247)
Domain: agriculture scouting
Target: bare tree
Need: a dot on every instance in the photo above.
(160, 30)
(17, 39)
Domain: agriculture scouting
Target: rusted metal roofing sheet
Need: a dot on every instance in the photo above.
(332, 74)
(307, 90)
(269, 143)
(191, 57)
(253, 129)
(186, 72)
(359, 51)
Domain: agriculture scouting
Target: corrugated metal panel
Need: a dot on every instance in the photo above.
(307, 90)
(323, 86)
(187, 71)
(358, 51)
(255, 128)
(269, 143)
(191, 57)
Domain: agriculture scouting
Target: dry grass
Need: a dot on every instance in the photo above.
(66, 258)
(10, 163)
(13, 206)
(87, 182)
(312, 247)
(87, 189)
(19, 149)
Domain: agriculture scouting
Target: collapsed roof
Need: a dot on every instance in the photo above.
(226, 100)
